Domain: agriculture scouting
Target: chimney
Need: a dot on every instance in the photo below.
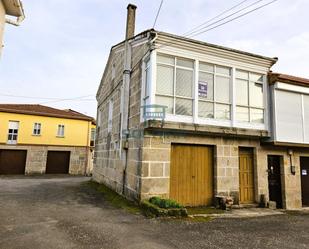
(130, 21)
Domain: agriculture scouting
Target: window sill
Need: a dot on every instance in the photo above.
(60, 136)
(36, 135)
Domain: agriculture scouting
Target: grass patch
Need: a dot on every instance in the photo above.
(113, 198)
(204, 210)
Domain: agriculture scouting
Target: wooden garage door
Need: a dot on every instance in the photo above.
(58, 162)
(304, 172)
(246, 176)
(12, 161)
(191, 176)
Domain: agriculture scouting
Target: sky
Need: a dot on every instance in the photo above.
(61, 48)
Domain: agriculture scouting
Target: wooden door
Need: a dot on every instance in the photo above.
(246, 176)
(58, 162)
(191, 176)
(274, 180)
(12, 162)
(304, 172)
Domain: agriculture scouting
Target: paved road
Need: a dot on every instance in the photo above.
(50, 212)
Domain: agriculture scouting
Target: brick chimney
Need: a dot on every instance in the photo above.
(130, 21)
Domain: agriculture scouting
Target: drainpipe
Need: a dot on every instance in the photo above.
(130, 28)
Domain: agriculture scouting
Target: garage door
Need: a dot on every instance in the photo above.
(58, 162)
(191, 176)
(304, 171)
(12, 162)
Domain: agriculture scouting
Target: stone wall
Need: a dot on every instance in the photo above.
(110, 165)
(37, 158)
(155, 166)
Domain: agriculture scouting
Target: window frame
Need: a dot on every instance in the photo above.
(232, 65)
(214, 101)
(174, 96)
(35, 129)
(13, 133)
(61, 127)
(250, 107)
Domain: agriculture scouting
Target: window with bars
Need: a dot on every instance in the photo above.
(37, 129)
(249, 97)
(214, 99)
(13, 132)
(60, 131)
(174, 86)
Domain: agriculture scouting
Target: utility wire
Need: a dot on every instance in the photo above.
(215, 17)
(237, 17)
(230, 20)
(80, 98)
(211, 28)
(158, 12)
(190, 34)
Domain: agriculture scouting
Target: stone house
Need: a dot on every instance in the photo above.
(37, 139)
(188, 120)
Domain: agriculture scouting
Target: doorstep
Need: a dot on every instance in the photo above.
(243, 213)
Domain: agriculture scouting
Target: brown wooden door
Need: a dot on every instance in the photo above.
(12, 162)
(304, 172)
(58, 162)
(191, 176)
(274, 180)
(246, 176)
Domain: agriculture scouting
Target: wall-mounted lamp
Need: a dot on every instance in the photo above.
(292, 167)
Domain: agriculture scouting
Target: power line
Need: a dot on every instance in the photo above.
(224, 18)
(215, 17)
(230, 20)
(237, 17)
(80, 98)
(158, 12)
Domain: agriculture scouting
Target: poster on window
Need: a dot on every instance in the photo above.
(202, 89)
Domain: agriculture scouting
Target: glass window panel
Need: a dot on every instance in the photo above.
(166, 59)
(206, 80)
(223, 70)
(183, 107)
(242, 114)
(256, 94)
(184, 82)
(222, 111)
(242, 74)
(206, 67)
(256, 77)
(167, 101)
(165, 79)
(222, 89)
(242, 97)
(205, 109)
(257, 115)
(147, 82)
(185, 63)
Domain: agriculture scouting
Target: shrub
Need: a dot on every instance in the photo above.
(164, 203)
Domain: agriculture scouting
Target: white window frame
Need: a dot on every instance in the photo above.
(174, 95)
(215, 101)
(13, 129)
(249, 106)
(211, 59)
(37, 129)
(60, 130)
